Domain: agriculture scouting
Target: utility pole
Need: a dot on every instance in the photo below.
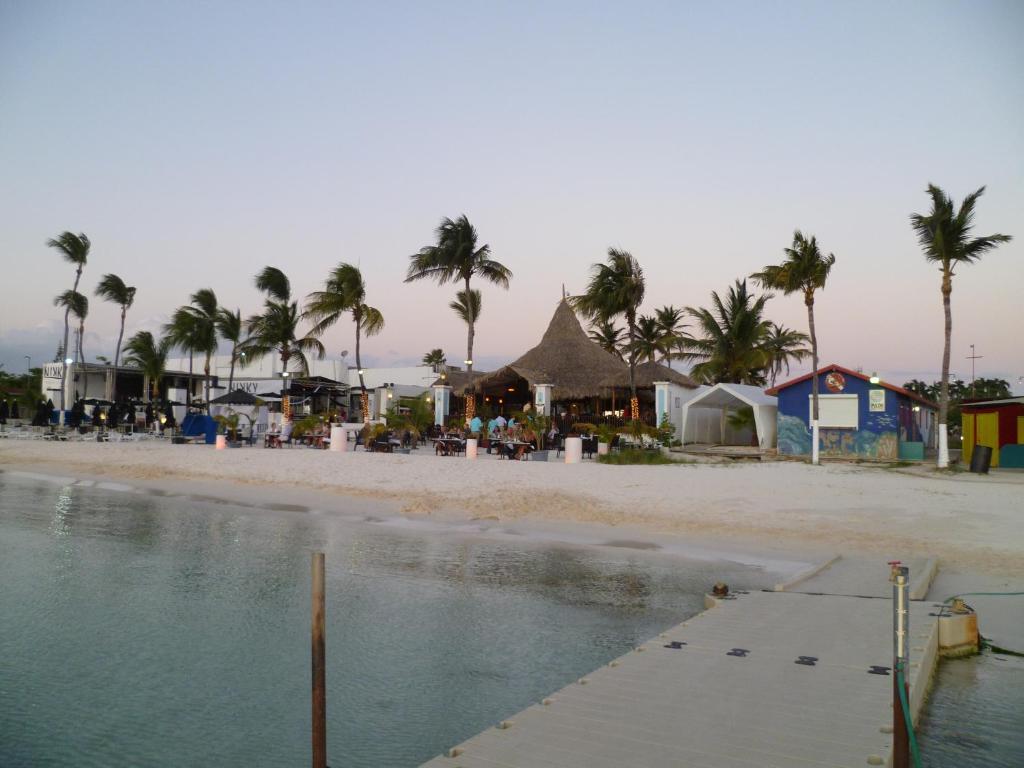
(899, 576)
(972, 357)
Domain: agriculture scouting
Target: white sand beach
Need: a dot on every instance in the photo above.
(969, 522)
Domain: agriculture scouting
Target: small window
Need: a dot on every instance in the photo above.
(835, 411)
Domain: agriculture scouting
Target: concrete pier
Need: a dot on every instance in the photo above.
(759, 680)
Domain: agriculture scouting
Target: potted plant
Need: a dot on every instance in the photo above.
(228, 425)
(605, 434)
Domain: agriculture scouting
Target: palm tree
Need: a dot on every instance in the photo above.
(805, 270)
(608, 336)
(76, 304)
(782, 346)
(944, 235)
(730, 340)
(616, 288)
(436, 359)
(193, 327)
(229, 326)
(149, 355)
(650, 341)
(468, 306)
(277, 329)
(75, 250)
(112, 288)
(670, 322)
(344, 291)
(456, 258)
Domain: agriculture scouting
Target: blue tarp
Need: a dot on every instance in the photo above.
(198, 424)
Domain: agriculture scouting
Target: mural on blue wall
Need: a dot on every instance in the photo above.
(793, 439)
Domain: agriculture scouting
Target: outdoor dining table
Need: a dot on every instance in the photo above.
(518, 446)
(445, 445)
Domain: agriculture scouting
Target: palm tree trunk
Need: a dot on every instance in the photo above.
(117, 355)
(947, 290)
(67, 327)
(231, 373)
(188, 386)
(80, 356)
(471, 393)
(364, 398)
(634, 403)
(206, 381)
(809, 301)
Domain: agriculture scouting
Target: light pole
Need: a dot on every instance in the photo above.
(28, 368)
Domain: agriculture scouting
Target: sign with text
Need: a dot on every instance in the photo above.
(53, 370)
(876, 400)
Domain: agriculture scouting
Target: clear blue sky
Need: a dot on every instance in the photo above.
(196, 142)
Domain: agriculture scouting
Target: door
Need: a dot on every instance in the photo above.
(967, 427)
(987, 427)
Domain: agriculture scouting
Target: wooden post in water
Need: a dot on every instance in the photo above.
(319, 669)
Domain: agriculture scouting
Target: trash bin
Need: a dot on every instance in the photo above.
(981, 458)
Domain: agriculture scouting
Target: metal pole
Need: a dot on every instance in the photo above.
(319, 670)
(901, 628)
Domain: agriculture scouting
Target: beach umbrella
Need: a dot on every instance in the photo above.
(275, 396)
(97, 401)
(238, 397)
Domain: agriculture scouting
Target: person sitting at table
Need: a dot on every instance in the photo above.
(279, 440)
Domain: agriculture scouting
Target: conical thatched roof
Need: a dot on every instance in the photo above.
(648, 373)
(458, 380)
(565, 358)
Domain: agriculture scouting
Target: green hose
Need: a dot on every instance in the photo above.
(901, 685)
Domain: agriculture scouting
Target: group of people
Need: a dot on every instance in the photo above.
(9, 411)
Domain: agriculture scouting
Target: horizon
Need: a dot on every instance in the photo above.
(196, 145)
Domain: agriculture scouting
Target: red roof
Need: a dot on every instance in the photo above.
(857, 374)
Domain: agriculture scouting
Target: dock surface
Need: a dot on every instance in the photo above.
(762, 680)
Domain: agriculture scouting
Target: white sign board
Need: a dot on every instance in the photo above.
(876, 400)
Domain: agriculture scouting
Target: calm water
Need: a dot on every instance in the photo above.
(139, 630)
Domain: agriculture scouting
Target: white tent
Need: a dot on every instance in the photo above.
(700, 426)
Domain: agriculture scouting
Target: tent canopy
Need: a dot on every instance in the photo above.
(734, 396)
(238, 397)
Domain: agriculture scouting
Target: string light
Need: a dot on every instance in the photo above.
(634, 408)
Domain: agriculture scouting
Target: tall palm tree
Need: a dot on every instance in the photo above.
(76, 304)
(276, 330)
(616, 288)
(345, 291)
(229, 327)
(456, 258)
(650, 341)
(944, 235)
(783, 345)
(113, 289)
(75, 250)
(146, 353)
(670, 322)
(467, 305)
(608, 336)
(193, 327)
(436, 359)
(729, 343)
(804, 270)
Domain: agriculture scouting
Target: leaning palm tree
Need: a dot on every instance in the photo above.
(782, 346)
(345, 291)
(229, 328)
(75, 250)
(805, 270)
(729, 341)
(113, 289)
(456, 258)
(670, 323)
(608, 336)
(436, 359)
(193, 327)
(944, 235)
(276, 330)
(77, 304)
(149, 355)
(616, 288)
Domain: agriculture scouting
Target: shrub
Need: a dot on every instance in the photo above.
(635, 456)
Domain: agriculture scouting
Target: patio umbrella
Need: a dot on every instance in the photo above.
(96, 401)
(269, 396)
(238, 397)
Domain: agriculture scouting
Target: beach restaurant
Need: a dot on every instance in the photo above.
(859, 417)
(567, 375)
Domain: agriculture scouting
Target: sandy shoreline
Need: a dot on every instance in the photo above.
(968, 522)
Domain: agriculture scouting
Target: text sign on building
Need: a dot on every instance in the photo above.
(53, 370)
(876, 400)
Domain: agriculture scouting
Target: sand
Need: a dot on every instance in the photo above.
(970, 522)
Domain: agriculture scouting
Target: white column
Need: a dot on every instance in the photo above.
(442, 399)
(662, 402)
(542, 398)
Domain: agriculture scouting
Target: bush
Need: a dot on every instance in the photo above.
(635, 456)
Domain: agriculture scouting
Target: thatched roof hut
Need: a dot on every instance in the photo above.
(565, 358)
(458, 380)
(648, 373)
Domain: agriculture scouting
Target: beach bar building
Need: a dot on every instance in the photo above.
(859, 417)
(999, 424)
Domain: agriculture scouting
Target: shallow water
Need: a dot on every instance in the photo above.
(156, 630)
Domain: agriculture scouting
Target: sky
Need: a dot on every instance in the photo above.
(196, 142)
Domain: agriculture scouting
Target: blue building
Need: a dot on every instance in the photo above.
(859, 417)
